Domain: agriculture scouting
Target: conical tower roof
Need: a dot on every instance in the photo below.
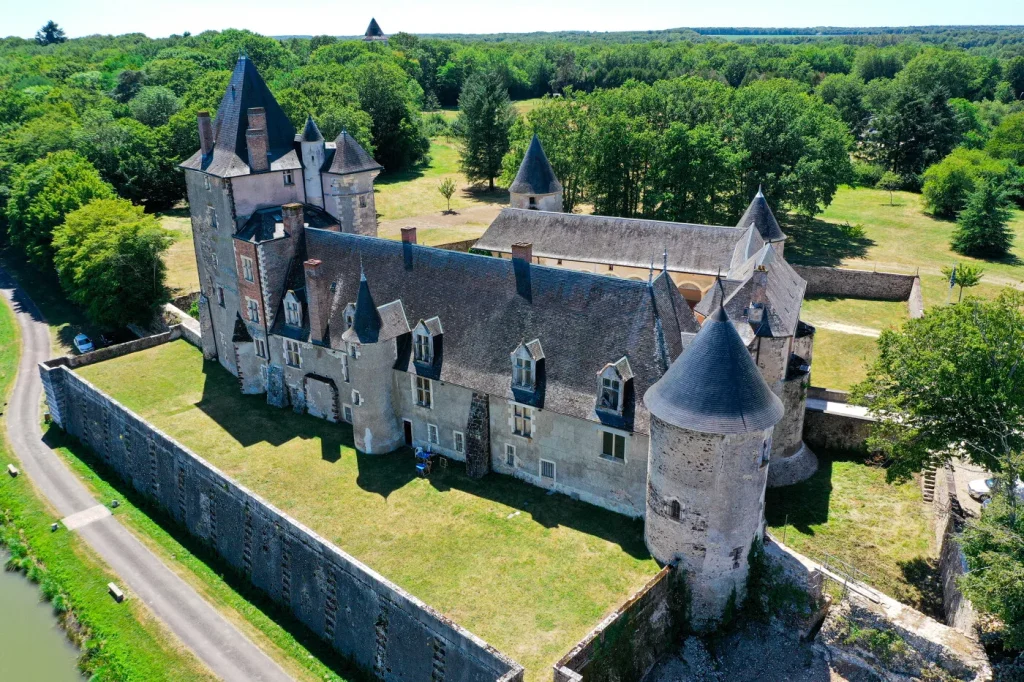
(535, 174)
(311, 133)
(373, 30)
(350, 157)
(367, 322)
(759, 213)
(714, 386)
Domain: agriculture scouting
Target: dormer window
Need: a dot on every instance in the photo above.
(611, 385)
(292, 310)
(524, 364)
(350, 315)
(423, 340)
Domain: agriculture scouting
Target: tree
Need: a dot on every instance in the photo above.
(43, 193)
(447, 189)
(1007, 140)
(947, 385)
(967, 276)
(1014, 74)
(949, 183)
(391, 99)
(913, 130)
(846, 93)
(485, 120)
(154, 105)
(108, 259)
(129, 82)
(890, 182)
(50, 34)
(981, 229)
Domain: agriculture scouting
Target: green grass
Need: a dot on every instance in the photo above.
(530, 584)
(841, 360)
(847, 510)
(180, 258)
(124, 641)
(877, 315)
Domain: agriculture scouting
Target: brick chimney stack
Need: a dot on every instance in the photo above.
(293, 218)
(205, 132)
(257, 141)
(408, 235)
(523, 251)
(318, 300)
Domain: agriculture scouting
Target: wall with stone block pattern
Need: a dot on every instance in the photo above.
(376, 624)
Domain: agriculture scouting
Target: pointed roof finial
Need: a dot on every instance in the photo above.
(650, 273)
(664, 261)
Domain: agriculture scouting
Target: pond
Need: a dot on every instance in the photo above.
(33, 648)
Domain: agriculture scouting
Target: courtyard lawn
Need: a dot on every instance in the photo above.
(848, 511)
(180, 259)
(876, 315)
(841, 360)
(531, 573)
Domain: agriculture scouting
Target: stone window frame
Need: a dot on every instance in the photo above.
(344, 369)
(525, 360)
(510, 455)
(766, 451)
(423, 345)
(612, 379)
(614, 434)
(532, 203)
(554, 470)
(346, 413)
(292, 353)
(459, 442)
(252, 306)
(522, 419)
(206, 182)
(248, 273)
(362, 201)
(357, 399)
(288, 177)
(433, 435)
(422, 392)
(675, 510)
(292, 310)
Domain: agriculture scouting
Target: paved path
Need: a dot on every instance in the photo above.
(218, 643)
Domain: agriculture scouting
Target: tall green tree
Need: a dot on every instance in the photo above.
(1007, 139)
(981, 229)
(108, 259)
(50, 34)
(154, 105)
(949, 183)
(391, 99)
(913, 129)
(1014, 74)
(486, 116)
(42, 194)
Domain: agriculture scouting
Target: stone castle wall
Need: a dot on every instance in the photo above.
(376, 624)
(883, 286)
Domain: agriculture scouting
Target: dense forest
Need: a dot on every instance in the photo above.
(671, 124)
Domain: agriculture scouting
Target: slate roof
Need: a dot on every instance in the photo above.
(759, 213)
(703, 249)
(348, 157)
(267, 223)
(785, 295)
(373, 30)
(311, 133)
(584, 321)
(714, 386)
(535, 174)
(230, 155)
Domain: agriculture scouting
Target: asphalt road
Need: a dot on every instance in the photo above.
(217, 642)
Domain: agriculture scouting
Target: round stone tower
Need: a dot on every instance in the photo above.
(712, 416)
(536, 186)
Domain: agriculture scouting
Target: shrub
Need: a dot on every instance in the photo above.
(948, 183)
(867, 174)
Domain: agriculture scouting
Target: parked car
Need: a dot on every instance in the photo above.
(981, 488)
(83, 344)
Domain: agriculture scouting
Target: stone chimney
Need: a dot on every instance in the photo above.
(205, 132)
(294, 221)
(759, 294)
(317, 300)
(257, 141)
(522, 251)
(408, 235)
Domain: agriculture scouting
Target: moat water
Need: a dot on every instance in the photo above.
(33, 647)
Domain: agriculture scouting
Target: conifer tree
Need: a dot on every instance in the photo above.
(50, 33)
(485, 120)
(981, 229)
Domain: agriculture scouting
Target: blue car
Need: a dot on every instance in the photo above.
(83, 344)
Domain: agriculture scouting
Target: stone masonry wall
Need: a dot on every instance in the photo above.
(831, 431)
(885, 286)
(627, 644)
(366, 618)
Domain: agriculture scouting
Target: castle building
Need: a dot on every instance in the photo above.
(606, 389)
(374, 32)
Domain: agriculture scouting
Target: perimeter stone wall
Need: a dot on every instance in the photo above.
(380, 627)
(884, 286)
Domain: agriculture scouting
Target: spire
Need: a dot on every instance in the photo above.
(373, 31)
(759, 213)
(367, 321)
(714, 386)
(535, 174)
(350, 157)
(311, 133)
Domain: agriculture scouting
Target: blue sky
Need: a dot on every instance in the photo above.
(158, 18)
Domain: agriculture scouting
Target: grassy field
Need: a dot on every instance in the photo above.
(876, 315)
(180, 259)
(839, 511)
(529, 572)
(123, 641)
(841, 360)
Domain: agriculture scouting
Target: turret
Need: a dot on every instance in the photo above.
(536, 186)
(759, 214)
(373, 351)
(313, 150)
(712, 417)
(348, 186)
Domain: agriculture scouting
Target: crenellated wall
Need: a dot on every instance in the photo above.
(376, 624)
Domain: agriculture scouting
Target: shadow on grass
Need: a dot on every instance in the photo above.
(487, 196)
(803, 504)
(250, 420)
(923, 574)
(816, 242)
(205, 554)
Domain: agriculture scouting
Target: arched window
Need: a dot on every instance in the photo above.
(675, 510)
